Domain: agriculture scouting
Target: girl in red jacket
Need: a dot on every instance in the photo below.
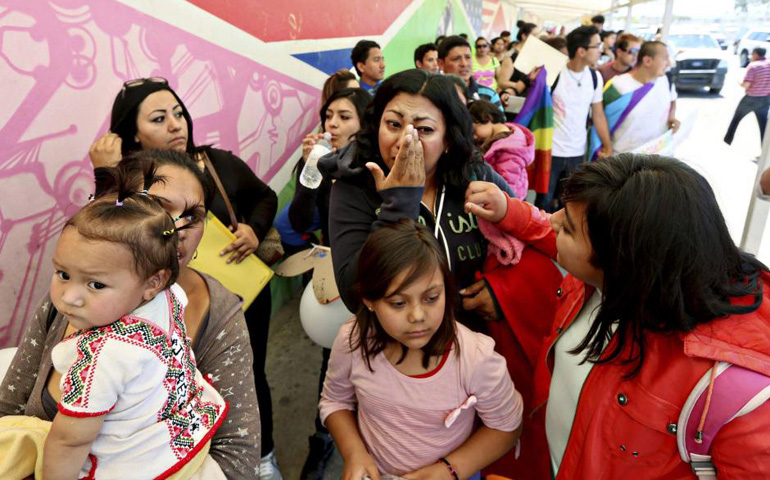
(657, 297)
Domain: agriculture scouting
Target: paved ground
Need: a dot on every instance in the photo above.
(293, 360)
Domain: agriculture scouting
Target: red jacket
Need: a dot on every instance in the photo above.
(526, 294)
(622, 427)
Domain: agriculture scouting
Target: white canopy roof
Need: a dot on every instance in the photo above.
(568, 11)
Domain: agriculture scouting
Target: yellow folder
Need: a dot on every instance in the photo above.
(245, 279)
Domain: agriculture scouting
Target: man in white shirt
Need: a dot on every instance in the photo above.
(656, 111)
(577, 91)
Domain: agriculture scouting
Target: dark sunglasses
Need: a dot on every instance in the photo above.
(485, 45)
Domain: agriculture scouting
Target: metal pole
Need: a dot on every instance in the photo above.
(667, 17)
(756, 217)
(612, 12)
(628, 17)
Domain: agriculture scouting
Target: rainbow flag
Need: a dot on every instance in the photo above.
(537, 115)
(617, 106)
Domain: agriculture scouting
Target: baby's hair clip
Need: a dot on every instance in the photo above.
(144, 192)
(168, 233)
(91, 197)
(118, 203)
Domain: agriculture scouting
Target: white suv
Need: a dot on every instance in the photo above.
(750, 41)
(700, 61)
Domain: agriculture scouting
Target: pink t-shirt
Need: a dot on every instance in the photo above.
(758, 73)
(405, 421)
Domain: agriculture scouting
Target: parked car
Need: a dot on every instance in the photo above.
(738, 36)
(700, 61)
(721, 39)
(750, 41)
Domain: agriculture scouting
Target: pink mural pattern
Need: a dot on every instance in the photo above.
(61, 64)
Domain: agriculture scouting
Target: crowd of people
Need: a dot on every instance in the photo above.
(607, 328)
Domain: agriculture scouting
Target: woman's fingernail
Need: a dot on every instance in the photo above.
(409, 129)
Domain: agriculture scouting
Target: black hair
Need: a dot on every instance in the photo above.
(668, 261)
(464, 35)
(132, 166)
(505, 33)
(484, 112)
(336, 81)
(360, 53)
(597, 19)
(459, 83)
(525, 28)
(556, 42)
(649, 49)
(380, 262)
(419, 52)
(359, 97)
(125, 111)
(606, 33)
(457, 164)
(450, 43)
(759, 51)
(580, 38)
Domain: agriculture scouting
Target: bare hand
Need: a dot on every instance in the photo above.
(105, 151)
(477, 298)
(245, 243)
(409, 168)
(486, 200)
(309, 142)
(360, 465)
(604, 152)
(674, 124)
(436, 471)
(533, 74)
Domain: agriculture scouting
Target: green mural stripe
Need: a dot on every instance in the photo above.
(420, 28)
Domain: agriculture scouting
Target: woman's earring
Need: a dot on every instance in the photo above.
(370, 309)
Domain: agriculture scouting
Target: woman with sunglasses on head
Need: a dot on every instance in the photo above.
(148, 114)
(213, 320)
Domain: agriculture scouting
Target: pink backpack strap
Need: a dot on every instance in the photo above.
(724, 392)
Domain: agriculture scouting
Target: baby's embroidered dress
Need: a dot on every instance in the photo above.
(140, 372)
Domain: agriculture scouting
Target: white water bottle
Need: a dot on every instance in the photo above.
(311, 177)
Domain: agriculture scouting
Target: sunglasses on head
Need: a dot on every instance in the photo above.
(141, 81)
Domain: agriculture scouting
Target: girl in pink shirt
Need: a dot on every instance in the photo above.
(406, 382)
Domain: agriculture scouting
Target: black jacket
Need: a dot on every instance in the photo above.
(254, 202)
(357, 209)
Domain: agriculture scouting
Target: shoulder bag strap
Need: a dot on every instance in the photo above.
(206, 161)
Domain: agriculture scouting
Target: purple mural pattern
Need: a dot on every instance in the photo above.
(61, 64)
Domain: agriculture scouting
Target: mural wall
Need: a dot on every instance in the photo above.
(249, 71)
